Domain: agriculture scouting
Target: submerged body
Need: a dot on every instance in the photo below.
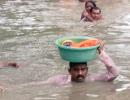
(110, 75)
(80, 73)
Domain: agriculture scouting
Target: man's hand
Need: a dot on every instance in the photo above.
(13, 64)
(101, 47)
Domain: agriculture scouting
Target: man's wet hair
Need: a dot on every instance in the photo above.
(74, 64)
(95, 8)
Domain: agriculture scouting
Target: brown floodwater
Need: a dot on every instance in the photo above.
(28, 30)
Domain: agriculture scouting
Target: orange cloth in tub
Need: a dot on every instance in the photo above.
(88, 43)
(85, 43)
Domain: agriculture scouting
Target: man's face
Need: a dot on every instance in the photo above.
(96, 14)
(78, 73)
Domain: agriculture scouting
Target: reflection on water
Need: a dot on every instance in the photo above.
(28, 29)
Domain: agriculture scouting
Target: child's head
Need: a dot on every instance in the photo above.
(67, 43)
(89, 5)
(96, 13)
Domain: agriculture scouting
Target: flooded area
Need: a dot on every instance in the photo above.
(28, 30)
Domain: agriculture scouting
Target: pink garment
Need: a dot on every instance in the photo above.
(111, 74)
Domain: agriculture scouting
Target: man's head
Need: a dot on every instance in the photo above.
(78, 71)
(89, 5)
(95, 13)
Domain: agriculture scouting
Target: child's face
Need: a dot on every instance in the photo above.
(67, 43)
(96, 14)
(89, 6)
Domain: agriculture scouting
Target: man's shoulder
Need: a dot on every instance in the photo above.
(60, 75)
(59, 79)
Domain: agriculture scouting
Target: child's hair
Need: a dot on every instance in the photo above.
(93, 2)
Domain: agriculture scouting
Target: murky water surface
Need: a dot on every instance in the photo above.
(28, 30)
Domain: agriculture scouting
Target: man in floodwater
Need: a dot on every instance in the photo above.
(78, 72)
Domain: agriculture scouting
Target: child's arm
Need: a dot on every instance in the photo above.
(86, 17)
(8, 64)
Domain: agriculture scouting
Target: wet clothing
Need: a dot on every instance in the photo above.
(111, 74)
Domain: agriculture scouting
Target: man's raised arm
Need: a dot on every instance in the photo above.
(112, 70)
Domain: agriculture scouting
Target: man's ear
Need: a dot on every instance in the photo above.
(69, 70)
